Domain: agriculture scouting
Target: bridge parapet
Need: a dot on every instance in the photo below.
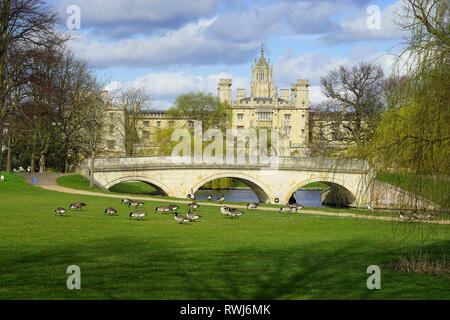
(249, 163)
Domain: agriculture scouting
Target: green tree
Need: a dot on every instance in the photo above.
(414, 134)
(202, 107)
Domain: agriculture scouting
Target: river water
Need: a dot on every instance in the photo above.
(305, 197)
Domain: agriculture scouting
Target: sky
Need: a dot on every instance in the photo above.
(172, 47)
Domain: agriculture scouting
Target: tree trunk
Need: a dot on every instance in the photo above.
(42, 163)
(32, 162)
(91, 170)
(1, 149)
(8, 159)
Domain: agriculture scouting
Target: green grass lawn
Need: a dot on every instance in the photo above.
(260, 255)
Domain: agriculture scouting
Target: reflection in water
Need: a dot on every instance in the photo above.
(309, 198)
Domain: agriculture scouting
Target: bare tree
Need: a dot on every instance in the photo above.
(24, 26)
(72, 84)
(92, 139)
(133, 100)
(357, 90)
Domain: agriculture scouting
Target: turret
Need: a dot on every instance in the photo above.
(300, 93)
(224, 90)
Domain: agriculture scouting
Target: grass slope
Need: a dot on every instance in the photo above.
(434, 189)
(260, 255)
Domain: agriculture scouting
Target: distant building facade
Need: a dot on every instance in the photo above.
(285, 110)
(266, 106)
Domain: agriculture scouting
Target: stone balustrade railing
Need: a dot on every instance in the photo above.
(237, 162)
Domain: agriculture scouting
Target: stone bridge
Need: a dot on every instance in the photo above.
(273, 182)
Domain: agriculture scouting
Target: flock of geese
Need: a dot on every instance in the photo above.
(172, 208)
(415, 215)
(225, 210)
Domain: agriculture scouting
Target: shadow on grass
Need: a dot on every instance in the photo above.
(127, 268)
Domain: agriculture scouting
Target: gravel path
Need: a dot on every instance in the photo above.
(48, 181)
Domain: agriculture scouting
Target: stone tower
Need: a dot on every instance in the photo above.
(262, 78)
(224, 90)
(300, 93)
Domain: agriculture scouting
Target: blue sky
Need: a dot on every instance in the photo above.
(171, 47)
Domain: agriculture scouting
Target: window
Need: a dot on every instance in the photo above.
(261, 77)
(240, 129)
(145, 135)
(240, 116)
(264, 116)
(190, 124)
(287, 117)
(145, 124)
(287, 131)
(158, 124)
(111, 129)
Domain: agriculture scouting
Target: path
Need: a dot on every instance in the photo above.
(48, 181)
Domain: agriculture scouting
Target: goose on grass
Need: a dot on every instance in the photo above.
(135, 204)
(138, 214)
(77, 205)
(110, 211)
(180, 219)
(59, 211)
(192, 216)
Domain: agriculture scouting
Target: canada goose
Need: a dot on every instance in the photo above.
(221, 199)
(369, 207)
(126, 200)
(191, 215)
(193, 205)
(209, 197)
(77, 205)
(162, 209)
(252, 205)
(135, 204)
(191, 196)
(235, 213)
(110, 211)
(285, 209)
(404, 216)
(180, 219)
(138, 214)
(294, 207)
(173, 207)
(60, 211)
(423, 215)
(225, 210)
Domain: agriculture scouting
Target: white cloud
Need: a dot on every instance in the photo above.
(309, 66)
(117, 18)
(164, 87)
(356, 29)
(187, 45)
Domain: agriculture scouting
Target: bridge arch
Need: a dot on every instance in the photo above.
(337, 186)
(158, 185)
(260, 189)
